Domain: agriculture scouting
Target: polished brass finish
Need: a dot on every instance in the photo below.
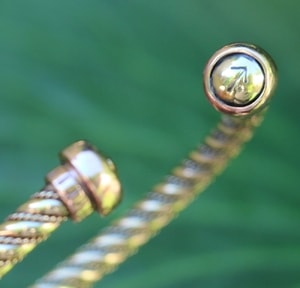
(239, 79)
(243, 103)
(67, 194)
(122, 239)
(97, 173)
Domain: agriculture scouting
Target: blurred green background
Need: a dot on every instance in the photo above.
(126, 75)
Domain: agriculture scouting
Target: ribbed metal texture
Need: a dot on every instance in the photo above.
(116, 243)
(32, 223)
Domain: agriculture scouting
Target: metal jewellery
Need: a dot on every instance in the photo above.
(239, 81)
(85, 181)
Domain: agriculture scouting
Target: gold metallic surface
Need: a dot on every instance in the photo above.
(122, 238)
(33, 222)
(65, 196)
(239, 79)
(51, 207)
(66, 183)
(97, 173)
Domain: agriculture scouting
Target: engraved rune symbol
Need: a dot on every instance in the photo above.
(240, 78)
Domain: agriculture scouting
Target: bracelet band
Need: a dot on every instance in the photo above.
(239, 80)
(117, 242)
(73, 190)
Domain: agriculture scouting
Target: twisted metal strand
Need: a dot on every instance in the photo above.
(31, 224)
(116, 243)
(73, 191)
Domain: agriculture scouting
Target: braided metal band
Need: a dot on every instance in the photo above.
(67, 194)
(238, 80)
(32, 223)
(105, 252)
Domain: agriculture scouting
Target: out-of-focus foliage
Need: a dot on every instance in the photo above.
(126, 75)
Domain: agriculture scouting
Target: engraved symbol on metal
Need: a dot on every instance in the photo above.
(237, 79)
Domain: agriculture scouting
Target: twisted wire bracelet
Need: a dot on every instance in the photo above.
(239, 80)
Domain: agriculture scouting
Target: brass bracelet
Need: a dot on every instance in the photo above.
(85, 181)
(239, 80)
